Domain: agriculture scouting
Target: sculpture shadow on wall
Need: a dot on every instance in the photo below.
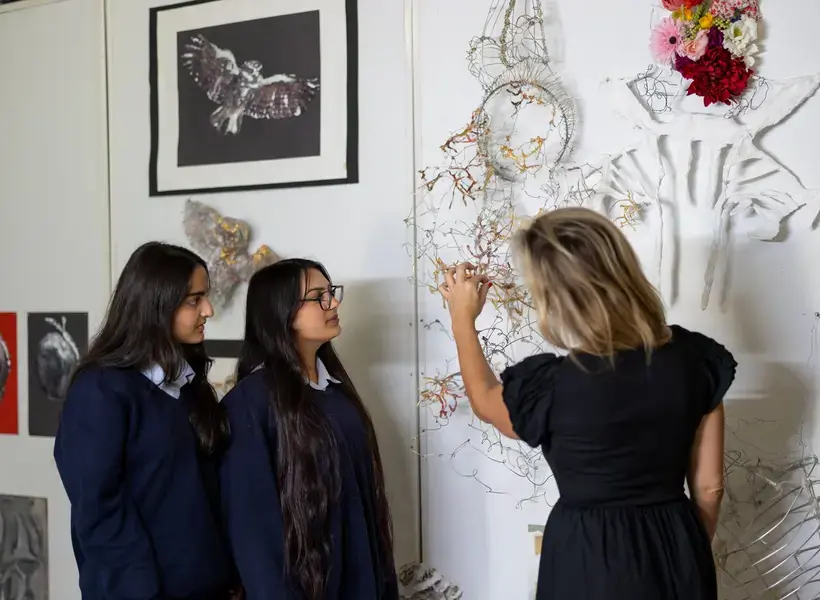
(377, 347)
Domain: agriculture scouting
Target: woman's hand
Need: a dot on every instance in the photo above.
(465, 293)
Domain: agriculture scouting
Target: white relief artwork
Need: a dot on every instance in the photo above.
(739, 179)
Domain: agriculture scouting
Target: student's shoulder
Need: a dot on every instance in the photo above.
(250, 394)
(105, 384)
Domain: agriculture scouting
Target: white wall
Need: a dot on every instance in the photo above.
(479, 539)
(356, 230)
(53, 214)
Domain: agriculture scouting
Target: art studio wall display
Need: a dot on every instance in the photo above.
(56, 342)
(23, 548)
(250, 95)
(8, 374)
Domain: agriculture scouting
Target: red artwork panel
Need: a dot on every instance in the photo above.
(8, 374)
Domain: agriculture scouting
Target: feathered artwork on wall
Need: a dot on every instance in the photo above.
(224, 243)
(249, 95)
(242, 90)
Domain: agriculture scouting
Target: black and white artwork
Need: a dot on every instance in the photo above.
(23, 548)
(250, 95)
(56, 342)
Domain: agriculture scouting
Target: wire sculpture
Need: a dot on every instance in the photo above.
(470, 206)
(768, 538)
(768, 543)
(491, 176)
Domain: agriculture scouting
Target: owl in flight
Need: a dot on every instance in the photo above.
(241, 90)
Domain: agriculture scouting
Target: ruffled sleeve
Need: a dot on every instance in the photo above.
(527, 392)
(719, 367)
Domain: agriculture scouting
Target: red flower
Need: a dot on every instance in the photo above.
(676, 4)
(717, 77)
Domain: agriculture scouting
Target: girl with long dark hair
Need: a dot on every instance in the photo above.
(139, 438)
(302, 481)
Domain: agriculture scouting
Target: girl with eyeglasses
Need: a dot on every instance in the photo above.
(302, 481)
(139, 437)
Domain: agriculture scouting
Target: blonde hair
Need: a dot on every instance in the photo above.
(587, 284)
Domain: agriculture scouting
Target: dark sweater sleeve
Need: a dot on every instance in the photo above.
(250, 499)
(89, 451)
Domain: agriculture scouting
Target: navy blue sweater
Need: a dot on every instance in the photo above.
(143, 513)
(253, 514)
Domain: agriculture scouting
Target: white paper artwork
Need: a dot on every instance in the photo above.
(739, 178)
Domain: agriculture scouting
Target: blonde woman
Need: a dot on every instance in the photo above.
(632, 412)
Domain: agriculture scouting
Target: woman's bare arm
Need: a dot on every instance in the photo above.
(480, 383)
(705, 478)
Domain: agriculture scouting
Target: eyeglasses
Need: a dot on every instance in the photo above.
(325, 299)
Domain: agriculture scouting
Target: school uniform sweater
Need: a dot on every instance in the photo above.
(144, 522)
(252, 510)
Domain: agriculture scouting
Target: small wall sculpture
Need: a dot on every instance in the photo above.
(224, 244)
(420, 582)
(23, 548)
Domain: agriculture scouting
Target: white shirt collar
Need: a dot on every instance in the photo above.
(157, 376)
(323, 376)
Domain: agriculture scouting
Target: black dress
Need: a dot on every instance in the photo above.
(619, 443)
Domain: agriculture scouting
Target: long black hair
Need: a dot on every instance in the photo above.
(307, 467)
(138, 333)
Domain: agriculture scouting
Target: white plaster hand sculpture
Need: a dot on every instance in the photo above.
(741, 176)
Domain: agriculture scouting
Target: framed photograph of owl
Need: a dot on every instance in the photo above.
(249, 95)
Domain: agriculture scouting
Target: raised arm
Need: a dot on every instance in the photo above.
(250, 501)
(466, 292)
(482, 387)
(705, 477)
(89, 451)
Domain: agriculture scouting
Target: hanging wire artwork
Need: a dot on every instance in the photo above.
(517, 139)
(512, 160)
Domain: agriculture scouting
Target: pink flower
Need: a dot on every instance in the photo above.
(664, 40)
(731, 9)
(696, 48)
